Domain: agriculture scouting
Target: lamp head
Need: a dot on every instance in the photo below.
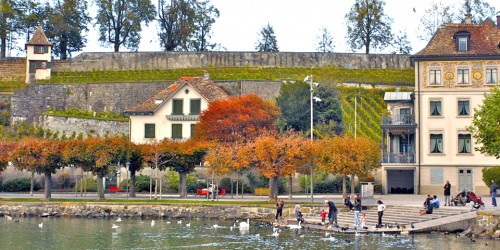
(308, 78)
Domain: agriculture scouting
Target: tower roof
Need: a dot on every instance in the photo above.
(39, 38)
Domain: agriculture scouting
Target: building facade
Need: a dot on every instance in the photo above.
(174, 111)
(459, 65)
(38, 57)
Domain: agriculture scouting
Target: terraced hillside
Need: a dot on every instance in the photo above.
(370, 107)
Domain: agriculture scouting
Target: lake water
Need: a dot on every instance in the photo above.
(73, 233)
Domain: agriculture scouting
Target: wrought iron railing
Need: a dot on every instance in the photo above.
(401, 119)
(398, 157)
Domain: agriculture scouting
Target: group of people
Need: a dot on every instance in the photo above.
(430, 203)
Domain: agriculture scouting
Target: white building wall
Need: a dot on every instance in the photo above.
(40, 74)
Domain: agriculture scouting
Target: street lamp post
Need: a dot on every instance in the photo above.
(309, 79)
(127, 165)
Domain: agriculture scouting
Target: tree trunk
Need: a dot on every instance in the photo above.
(182, 185)
(100, 188)
(32, 183)
(290, 183)
(63, 47)
(273, 189)
(131, 190)
(48, 187)
(352, 184)
(344, 185)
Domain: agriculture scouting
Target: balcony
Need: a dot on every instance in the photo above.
(183, 117)
(405, 158)
(398, 119)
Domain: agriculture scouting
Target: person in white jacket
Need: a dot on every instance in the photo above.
(380, 210)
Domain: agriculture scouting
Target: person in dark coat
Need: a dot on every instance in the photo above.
(332, 212)
(357, 210)
(447, 193)
(493, 192)
(279, 208)
(347, 202)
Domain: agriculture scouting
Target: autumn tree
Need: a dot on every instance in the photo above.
(236, 119)
(276, 155)
(347, 156)
(5, 148)
(120, 21)
(368, 26)
(485, 127)
(325, 41)
(267, 41)
(157, 155)
(66, 26)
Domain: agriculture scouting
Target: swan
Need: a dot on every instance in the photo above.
(216, 226)
(295, 226)
(358, 234)
(275, 232)
(40, 225)
(188, 225)
(245, 225)
(231, 228)
(179, 222)
(8, 217)
(168, 222)
(153, 223)
(115, 226)
(119, 219)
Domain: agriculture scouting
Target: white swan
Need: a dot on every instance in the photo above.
(40, 225)
(179, 222)
(216, 226)
(188, 225)
(8, 217)
(168, 222)
(153, 223)
(115, 226)
(275, 232)
(245, 225)
(119, 219)
(295, 226)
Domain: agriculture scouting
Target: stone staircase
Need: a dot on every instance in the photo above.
(403, 215)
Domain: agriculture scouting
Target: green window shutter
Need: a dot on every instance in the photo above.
(194, 106)
(32, 67)
(36, 49)
(176, 131)
(49, 65)
(193, 126)
(149, 131)
(45, 49)
(177, 107)
(38, 64)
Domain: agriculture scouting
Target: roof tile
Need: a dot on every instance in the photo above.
(39, 38)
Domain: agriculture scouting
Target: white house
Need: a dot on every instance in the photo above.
(452, 73)
(38, 57)
(174, 111)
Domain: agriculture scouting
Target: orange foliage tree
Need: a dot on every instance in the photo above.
(347, 156)
(5, 148)
(236, 119)
(276, 155)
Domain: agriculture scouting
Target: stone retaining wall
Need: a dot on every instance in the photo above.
(79, 125)
(489, 222)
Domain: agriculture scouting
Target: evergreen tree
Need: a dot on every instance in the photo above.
(11, 15)
(267, 41)
(368, 26)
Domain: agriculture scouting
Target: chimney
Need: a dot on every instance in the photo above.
(206, 75)
(468, 18)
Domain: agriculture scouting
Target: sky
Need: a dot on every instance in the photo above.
(297, 24)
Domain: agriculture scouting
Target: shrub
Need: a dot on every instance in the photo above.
(91, 185)
(141, 183)
(18, 185)
(192, 183)
(64, 180)
(491, 174)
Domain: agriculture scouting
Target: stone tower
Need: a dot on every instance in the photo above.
(38, 57)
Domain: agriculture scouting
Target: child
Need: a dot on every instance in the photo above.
(300, 218)
(363, 221)
(323, 217)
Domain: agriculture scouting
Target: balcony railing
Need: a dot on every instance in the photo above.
(402, 119)
(183, 117)
(398, 158)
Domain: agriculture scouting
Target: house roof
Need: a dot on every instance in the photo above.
(484, 40)
(397, 96)
(39, 38)
(204, 86)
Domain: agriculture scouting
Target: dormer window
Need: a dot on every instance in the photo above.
(462, 39)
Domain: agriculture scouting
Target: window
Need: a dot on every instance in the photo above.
(193, 127)
(194, 106)
(464, 143)
(404, 145)
(149, 130)
(177, 108)
(491, 76)
(176, 131)
(463, 107)
(435, 107)
(41, 49)
(463, 76)
(435, 77)
(436, 176)
(462, 44)
(436, 143)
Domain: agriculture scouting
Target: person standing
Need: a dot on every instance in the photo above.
(380, 212)
(447, 188)
(323, 217)
(279, 208)
(357, 210)
(297, 211)
(493, 192)
(332, 212)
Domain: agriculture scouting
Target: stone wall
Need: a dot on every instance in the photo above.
(152, 210)
(28, 104)
(69, 125)
(488, 223)
(119, 61)
(13, 69)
